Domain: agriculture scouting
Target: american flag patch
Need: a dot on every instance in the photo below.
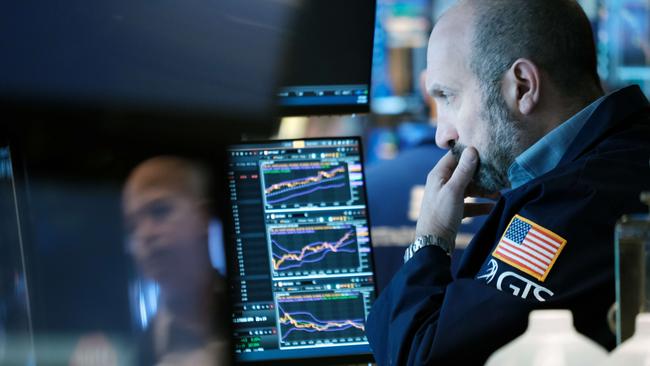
(529, 247)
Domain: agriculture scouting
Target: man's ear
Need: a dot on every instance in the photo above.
(521, 86)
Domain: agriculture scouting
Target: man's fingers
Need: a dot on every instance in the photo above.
(443, 169)
(477, 209)
(464, 171)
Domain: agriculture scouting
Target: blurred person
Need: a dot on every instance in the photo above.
(167, 204)
(522, 111)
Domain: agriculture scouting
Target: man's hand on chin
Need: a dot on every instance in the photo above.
(443, 205)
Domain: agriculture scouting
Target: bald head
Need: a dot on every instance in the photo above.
(449, 49)
(180, 175)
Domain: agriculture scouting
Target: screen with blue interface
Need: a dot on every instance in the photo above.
(302, 278)
(327, 64)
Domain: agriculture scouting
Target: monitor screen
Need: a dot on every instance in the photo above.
(329, 59)
(302, 275)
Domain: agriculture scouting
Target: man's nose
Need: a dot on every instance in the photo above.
(146, 232)
(446, 135)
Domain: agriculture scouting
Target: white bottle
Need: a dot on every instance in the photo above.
(636, 350)
(550, 340)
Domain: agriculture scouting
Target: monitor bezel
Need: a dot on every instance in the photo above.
(325, 110)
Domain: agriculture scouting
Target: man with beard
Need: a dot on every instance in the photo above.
(521, 109)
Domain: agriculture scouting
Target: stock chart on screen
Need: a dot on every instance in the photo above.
(317, 318)
(303, 184)
(302, 257)
(317, 250)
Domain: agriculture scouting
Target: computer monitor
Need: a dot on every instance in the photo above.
(329, 58)
(301, 266)
(179, 56)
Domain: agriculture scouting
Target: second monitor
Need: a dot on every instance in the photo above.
(303, 275)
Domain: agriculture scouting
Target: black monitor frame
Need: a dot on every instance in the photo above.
(321, 109)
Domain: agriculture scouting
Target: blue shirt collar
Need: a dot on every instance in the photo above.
(546, 153)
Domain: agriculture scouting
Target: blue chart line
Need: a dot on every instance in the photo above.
(339, 177)
(319, 186)
(305, 183)
(313, 256)
(304, 321)
(314, 252)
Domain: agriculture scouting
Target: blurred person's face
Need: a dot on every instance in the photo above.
(466, 114)
(167, 225)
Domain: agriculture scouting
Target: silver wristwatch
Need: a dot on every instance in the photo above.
(426, 240)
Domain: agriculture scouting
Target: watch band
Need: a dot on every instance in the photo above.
(427, 240)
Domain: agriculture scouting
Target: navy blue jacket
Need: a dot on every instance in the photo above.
(427, 317)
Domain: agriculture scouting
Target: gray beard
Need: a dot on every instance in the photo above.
(502, 147)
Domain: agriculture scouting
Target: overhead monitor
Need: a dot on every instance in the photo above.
(195, 56)
(302, 273)
(327, 69)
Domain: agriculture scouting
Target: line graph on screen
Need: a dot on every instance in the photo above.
(305, 183)
(314, 249)
(322, 317)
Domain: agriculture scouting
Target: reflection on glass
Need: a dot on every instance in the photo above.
(167, 208)
(144, 300)
(16, 342)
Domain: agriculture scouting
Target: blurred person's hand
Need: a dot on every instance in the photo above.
(94, 349)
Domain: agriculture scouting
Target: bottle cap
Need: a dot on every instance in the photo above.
(550, 321)
(642, 325)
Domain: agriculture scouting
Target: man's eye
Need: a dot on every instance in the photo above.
(441, 95)
(159, 211)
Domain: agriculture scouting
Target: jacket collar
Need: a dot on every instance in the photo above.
(611, 113)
